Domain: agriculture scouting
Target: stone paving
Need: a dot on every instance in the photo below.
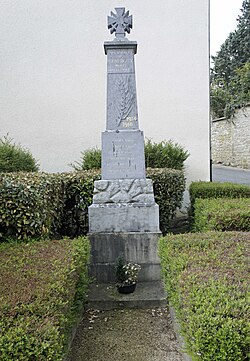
(126, 335)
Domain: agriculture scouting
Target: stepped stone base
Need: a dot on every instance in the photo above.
(135, 247)
(146, 295)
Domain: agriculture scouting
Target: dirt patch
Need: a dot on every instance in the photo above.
(126, 335)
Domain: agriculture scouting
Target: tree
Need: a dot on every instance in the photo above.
(229, 85)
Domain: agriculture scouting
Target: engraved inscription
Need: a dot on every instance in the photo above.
(120, 61)
(123, 155)
(129, 122)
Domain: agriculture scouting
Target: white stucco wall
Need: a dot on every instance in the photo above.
(53, 76)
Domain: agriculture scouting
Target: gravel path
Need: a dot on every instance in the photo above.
(126, 335)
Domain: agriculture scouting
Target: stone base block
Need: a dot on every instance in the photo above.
(135, 247)
(123, 218)
(105, 272)
(147, 295)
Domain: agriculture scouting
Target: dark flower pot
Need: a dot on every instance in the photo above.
(125, 289)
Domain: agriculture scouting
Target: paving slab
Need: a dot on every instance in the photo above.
(126, 335)
(146, 295)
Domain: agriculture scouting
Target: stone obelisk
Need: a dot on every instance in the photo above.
(124, 218)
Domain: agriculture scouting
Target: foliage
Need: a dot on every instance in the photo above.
(40, 288)
(126, 273)
(78, 194)
(157, 155)
(31, 205)
(222, 214)
(165, 155)
(119, 270)
(217, 190)
(15, 158)
(226, 99)
(90, 159)
(169, 185)
(131, 273)
(39, 205)
(231, 70)
(206, 277)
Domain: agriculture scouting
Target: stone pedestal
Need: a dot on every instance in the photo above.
(124, 205)
(135, 247)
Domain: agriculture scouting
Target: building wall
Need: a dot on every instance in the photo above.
(230, 139)
(53, 76)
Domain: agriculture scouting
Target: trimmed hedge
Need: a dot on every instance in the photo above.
(169, 185)
(217, 190)
(79, 188)
(39, 205)
(31, 205)
(42, 289)
(207, 280)
(222, 214)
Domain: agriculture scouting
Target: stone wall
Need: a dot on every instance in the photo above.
(230, 139)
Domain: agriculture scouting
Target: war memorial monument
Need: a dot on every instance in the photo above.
(124, 217)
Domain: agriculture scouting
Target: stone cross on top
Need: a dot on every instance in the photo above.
(120, 22)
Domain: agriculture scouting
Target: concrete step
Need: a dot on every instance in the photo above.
(146, 295)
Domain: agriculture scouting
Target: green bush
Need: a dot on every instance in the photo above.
(217, 190)
(31, 205)
(90, 159)
(78, 194)
(39, 205)
(222, 214)
(157, 155)
(165, 155)
(207, 281)
(42, 289)
(15, 158)
(169, 185)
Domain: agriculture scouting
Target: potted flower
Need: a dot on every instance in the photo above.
(126, 275)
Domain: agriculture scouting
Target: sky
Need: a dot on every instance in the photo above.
(223, 15)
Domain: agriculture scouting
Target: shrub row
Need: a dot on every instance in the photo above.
(169, 185)
(165, 154)
(217, 190)
(42, 290)
(207, 280)
(222, 214)
(31, 205)
(39, 205)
